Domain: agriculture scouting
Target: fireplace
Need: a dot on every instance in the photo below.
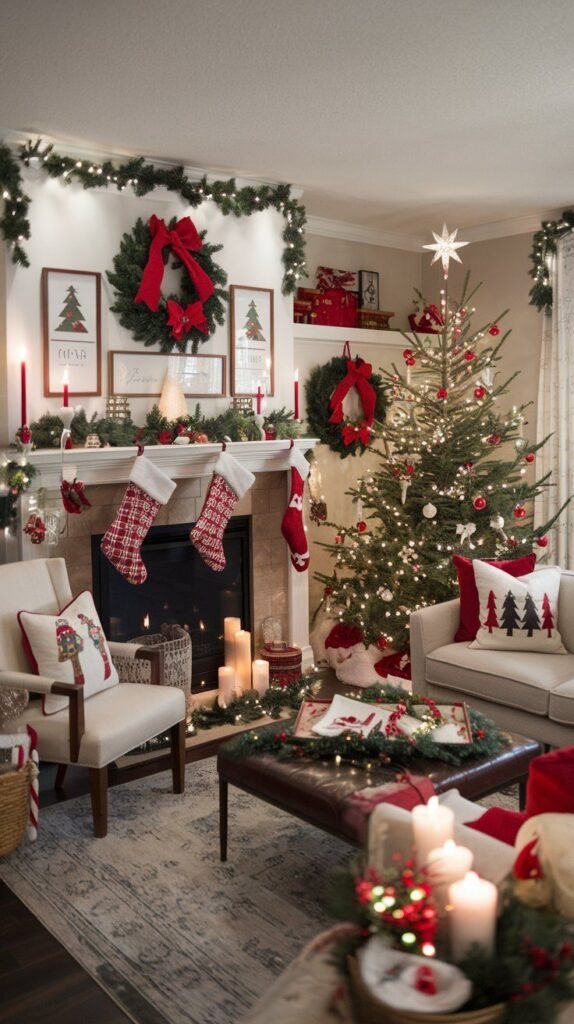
(180, 589)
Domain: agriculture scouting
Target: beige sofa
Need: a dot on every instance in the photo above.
(531, 694)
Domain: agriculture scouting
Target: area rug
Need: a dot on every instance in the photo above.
(171, 934)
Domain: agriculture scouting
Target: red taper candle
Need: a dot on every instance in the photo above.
(23, 412)
(66, 399)
(258, 397)
(296, 395)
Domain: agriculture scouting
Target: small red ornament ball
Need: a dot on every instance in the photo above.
(469, 355)
(164, 437)
(338, 538)
(529, 457)
(457, 332)
(462, 313)
(328, 591)
(407, 353)
(479, 392)
(494, 439)
(361, 526)
(519, 512)
(25, 434)
(410, 361)
(479, 503)
(494, 330)
(381, 643)
(409, 468)
(542, 541)
(441, 394)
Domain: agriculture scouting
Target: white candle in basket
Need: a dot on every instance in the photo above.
(230, 628)
(472, 914)
(260, 669)
(242, 645)
(226, 679)
(445, 865)
(432, 826)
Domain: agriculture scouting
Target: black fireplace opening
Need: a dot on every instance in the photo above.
(180, 589)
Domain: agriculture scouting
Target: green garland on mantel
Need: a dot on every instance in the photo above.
(373, 752)
(142, 178)
(544, 245)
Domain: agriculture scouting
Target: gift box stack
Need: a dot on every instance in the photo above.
(285, 662)
(335, 302)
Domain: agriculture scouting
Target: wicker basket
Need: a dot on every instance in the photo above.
(175, 643)
(14, 807)
(369, 1009)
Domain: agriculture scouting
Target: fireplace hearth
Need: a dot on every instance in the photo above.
(180, 589)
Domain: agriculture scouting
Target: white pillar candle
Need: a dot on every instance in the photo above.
(230, 628)
(226, 679)
(242, 645)
(445, 865)
(260, 669)
(432, 826)
(472, 914)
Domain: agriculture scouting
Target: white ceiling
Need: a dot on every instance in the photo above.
(390, 114)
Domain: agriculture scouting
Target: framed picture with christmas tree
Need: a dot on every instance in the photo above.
(251, 325)
(71, 318)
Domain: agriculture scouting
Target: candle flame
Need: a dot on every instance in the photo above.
(22, 353)
(296, 375)
(66, 377)
(146, 621)
(201, 624)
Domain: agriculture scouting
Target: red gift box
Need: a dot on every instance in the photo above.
(330, 277)
(335, 308)
(284, 662)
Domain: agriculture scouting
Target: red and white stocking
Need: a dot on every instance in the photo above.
(148, 489)
(292, 527)
(230, 482)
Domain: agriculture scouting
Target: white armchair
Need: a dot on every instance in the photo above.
(95, 731)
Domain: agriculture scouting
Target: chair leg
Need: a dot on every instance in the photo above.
(223, 794)
(177, 734)
(99, 795)
(60, 776)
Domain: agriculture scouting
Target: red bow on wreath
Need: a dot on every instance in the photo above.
(182, 320)
(182, 240)
(358, 375)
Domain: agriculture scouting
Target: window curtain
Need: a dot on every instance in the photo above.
(556, 407)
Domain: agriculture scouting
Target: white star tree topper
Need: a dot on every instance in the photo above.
(445, 248)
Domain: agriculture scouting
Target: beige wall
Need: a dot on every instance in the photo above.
(502, 266)
(399, 271)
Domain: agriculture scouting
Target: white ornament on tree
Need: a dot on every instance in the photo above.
(465, 532)
(405, 484)
(497, 523)
(385, 594)
(429, 510)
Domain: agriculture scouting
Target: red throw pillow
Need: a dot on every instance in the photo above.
(550, 786)
(469, 624)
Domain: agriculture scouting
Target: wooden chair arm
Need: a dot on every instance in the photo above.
(41, 684)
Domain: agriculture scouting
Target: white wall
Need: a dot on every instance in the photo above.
(77, 229)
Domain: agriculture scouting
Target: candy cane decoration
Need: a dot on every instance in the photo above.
(32, 827)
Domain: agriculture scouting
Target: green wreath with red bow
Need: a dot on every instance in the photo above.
(170, 321)
(325, 391)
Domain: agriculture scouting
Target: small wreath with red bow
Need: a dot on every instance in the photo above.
(170, 321)
(325, 392)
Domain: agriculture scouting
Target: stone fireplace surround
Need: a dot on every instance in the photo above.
(277, 589)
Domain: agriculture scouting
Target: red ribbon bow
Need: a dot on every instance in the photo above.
(182, 320)
(358, 374)
(183, 239)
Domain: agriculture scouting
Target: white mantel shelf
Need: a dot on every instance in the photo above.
(180, 462)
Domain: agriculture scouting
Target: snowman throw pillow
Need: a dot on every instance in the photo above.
(518, 613)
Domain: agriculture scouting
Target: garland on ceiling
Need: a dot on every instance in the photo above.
(544, 245)
(142, 178)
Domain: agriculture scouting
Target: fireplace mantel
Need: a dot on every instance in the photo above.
(180, 462)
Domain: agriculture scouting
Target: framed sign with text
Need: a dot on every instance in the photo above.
(71, 318)
(141, 374)
(251, 324)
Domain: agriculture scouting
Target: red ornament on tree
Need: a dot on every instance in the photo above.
(479, 502)
(410, 361)
(381, 642)
(361, 526)
(529, 457)
(441, 394)
(469, 355)
(494, 439)
(407, 353)
(494, 330)
(338, 538)
(409, 468)
(519, 512)
(542, 541)
(479, 392)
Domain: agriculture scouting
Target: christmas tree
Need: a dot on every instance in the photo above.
(71, 315)
(252, 327)
(451, 478)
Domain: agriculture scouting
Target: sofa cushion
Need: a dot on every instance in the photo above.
(561, 706)
(513, 678)
(566, 609)
(69, 647)
(117, 720)
(518, 614)
(469, 608)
